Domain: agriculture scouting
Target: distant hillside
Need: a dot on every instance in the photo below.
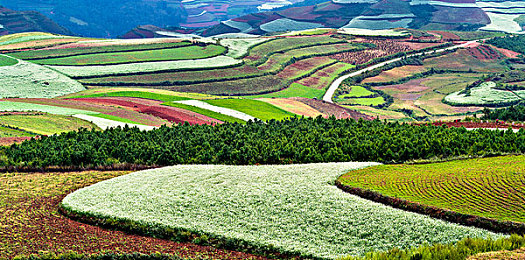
(104, 18)
(30, 21)
(465, 15)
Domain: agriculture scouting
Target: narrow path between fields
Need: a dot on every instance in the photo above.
(335, 85)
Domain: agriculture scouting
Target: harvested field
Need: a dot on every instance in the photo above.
(293, 106)
(463, 60)
(420, 45)
(396, 74)
(31, 45)
(383, 48)
(447, 36)
(377, 113)
(153, 108)
(294, 90)
(324, 77)
(332, 109)
(303, 67)
(31, 223)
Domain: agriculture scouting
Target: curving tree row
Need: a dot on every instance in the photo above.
(296, 140)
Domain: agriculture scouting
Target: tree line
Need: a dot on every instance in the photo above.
(512, 113)
(295, 140)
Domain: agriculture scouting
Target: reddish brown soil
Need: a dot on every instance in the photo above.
(485, 52)
(420, 45)
(507, 53)
(332, 109)
(153, 108)
(5, 141)
(34, 226)
(447, 36)
(383, 48)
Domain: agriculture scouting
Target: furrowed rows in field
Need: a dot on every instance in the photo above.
(491, 187)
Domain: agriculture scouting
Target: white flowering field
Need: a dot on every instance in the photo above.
(296, 208)
(484, 94)
(85, 71)
(28, 80)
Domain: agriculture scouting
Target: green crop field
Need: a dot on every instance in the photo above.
(172, 54)
(489, 187)
(7, 61)
(135, 94)
(206, 112)
(45, 124)
(295, 90)
(357, 91)
(10, 132)
(255, 108)
(66, 52)
(373, 101)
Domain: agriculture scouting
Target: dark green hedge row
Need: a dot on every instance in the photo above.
(514, 43)
(513, 113)
(295, 140)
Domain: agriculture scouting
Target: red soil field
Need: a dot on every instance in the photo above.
(5, 141)
(447, 36)
(153, 108)
(34, 225)
(114, 111)
(332, 109)
(383, 48)
(507, 53)
(419, 45)
(485, 52)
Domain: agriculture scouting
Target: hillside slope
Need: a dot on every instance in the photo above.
(30, 21)
(465, 15)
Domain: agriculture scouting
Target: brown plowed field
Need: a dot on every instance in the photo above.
(332, 109)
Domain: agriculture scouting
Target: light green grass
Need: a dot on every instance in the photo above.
(45, 124)
(172, 54)
(295, 90)
(9, 132)
(135, 94)
(367, 101)
(255, 108)
(357, 91)
(7, 61)
(488, 187)
(10, 106)
(206, 112)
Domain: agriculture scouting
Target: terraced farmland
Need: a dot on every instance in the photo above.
(44, 124)
(170, 54)
(489, 187)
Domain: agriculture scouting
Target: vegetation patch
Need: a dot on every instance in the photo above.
(28, 80)
(255, 108)
(44, 124)
(135, 94)
(485, 94)
(293, 106)
(263, 207)
(295, 140)
(206, 112)
(77, 50)
(294, 90)
(460, 186)
(171, 54)
(7, 61)
(357, 91)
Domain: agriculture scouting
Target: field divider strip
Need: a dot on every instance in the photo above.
(498, 226)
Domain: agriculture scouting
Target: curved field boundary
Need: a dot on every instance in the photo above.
(104, 123)
(282, 66)
(83, 72)
(191, 52)
(71, 52)
(440, 193)
(293, 209)
(221, 110)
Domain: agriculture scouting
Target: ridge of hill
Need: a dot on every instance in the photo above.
(28, 21)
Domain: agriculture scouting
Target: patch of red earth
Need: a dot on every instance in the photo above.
(447, 36)
(108, 110)
(153, 108)
(332, 109)
(301, 66)
(507, 53)
(45, 230)
(500, 124)
(485, 52)
(383, 48)
(6, 141)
